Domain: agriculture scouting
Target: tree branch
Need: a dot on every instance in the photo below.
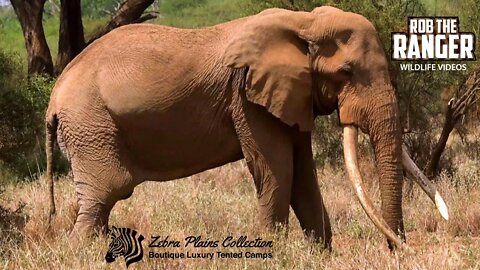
(130, 11)
(146, 17)
(466, 97)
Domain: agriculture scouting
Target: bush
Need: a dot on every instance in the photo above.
(195, 14)
(254, 6)
(16, 112)
(327, 141)
(23, 102)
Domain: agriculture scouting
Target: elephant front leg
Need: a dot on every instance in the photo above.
(306, 199)
(273, 187)
(268, 149)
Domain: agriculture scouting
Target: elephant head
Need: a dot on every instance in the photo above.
(303, 64)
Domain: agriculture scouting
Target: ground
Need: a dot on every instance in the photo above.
(221, 202)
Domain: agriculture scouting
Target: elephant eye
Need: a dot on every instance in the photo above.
(328, 47)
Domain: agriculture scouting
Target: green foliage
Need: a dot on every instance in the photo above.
(327, 141)
(23, 101)
(90, 8)
(470, 22)
(12, 40)
(177, 7)
(194, 14)
(16, 110)
(254, 6)
(99, 8)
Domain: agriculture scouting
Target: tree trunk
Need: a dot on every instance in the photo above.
(71, 39)
(30, 13)
(434, 161)
(466, 97)
(129, 12)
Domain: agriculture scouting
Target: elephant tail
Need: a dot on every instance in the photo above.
(51, 123)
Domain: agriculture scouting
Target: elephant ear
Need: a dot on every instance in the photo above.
(270, 44)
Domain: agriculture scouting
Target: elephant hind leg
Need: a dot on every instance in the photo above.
(92, 218)
(98, 189)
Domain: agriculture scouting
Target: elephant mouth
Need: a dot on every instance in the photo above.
(350, 141)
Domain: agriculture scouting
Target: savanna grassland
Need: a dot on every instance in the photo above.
(222, 201)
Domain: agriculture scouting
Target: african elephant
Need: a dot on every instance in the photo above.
(150, 102)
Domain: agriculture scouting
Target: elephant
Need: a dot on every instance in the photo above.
(155, 103)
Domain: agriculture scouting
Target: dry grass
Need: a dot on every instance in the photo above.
(222, 202)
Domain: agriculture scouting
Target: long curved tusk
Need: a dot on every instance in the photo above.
(350, 138)
(424, 183)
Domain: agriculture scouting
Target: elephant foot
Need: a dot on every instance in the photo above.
(92, 219)
(319, 231)
(401, 234)
(274, 223)
(324, 238)
(308, 205)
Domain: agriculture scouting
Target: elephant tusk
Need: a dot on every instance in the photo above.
(350, 138)
(424, 183)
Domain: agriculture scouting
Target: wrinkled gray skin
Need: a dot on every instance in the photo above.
(148, 102)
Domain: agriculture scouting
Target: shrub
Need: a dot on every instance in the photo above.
(327, 141)
(23, 102)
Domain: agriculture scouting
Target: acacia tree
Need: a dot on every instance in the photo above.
(128, 12)
(71, 37)
(465, 98)
(30, 15)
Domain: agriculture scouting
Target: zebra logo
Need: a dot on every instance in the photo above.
(127, 243)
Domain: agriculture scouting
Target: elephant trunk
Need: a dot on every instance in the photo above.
(386, 138)
(350, 136)
(383, 125)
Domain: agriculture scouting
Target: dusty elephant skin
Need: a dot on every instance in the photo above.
(149, 102)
